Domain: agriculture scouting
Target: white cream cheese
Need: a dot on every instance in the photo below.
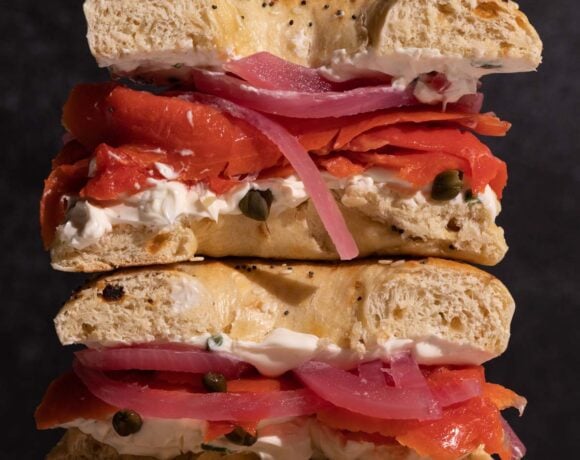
(286, 439)
(405, 65)
(177, 63)
(489, 200)
(162, 204)
(167, 171)
(166, 201)
(284, 350)
(294, 438)
(160, 438)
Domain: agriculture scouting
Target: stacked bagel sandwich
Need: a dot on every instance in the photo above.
(273, 183)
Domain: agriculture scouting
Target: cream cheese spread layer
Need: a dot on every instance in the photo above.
(296, 438)
(405, 65)
(283, 350)
(167, 201)
(278, 439)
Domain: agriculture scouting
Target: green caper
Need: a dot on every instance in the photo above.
(214, 382)
(214, 342)
(241, 437)
(447, 185)
(256, 204)
(127, 422)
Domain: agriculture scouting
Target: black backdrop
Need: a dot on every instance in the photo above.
(43, 53)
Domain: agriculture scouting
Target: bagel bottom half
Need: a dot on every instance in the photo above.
(76, 445)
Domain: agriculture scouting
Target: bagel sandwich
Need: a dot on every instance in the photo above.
(285, 129)
(247, 359)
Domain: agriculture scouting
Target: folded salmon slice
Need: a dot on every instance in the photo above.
(329, 134)
(115, 115)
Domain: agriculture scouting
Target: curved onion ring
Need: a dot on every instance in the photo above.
(203, 406)
(369, 394)
(297, 104)
(348, 391)
(406, 372)
(156, 358)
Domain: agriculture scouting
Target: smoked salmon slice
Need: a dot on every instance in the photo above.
(118, 116)
(461, 430)
(68, 399)
(64, 180)
(334, 133)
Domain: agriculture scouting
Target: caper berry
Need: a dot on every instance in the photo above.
(256, 204)
(241, 437)
(447, 185)
(214, 382)
(127, 422)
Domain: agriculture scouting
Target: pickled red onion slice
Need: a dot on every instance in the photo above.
(171, 404)
(266, 71)
(372, 374)
(299, 104)
(157, 358)
(406, 373)
(351, 392)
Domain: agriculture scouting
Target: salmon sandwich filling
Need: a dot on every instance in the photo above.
(168, 400)
(237, 144)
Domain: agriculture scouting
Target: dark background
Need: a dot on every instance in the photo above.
(43, 53)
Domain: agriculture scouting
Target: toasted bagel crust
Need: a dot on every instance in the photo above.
(132, 36)
(76, 445)
(354, 305)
